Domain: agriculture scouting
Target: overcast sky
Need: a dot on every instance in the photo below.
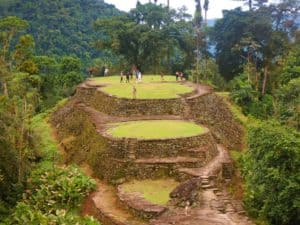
(215, 6)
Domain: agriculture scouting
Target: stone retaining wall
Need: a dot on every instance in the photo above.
(208, 109)
(211, 111)
(138, 205)
(114, 106)
(161, 147)
(109, 158)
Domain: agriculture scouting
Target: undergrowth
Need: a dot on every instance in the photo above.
(54, 192)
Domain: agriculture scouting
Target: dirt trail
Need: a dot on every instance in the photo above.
(213, 167)
(216, 206)
(104, 205)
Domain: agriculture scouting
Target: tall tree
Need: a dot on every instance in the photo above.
(9, 27)
(197, 24)
(149, 37)
(205, 6)
(251, 3)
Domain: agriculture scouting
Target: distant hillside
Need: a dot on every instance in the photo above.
(60, 27)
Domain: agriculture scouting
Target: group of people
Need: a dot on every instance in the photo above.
(179, 75)
(129, 76)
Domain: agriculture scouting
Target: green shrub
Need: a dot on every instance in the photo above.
(242, 92)
(288, 104)
(52, 196)
(25, 214)
(271, 171)
(57, 188)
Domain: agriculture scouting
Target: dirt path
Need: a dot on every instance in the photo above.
(104, 205)
(213, 167)
(216, 206)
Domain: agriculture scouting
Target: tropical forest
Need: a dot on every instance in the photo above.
(151, 114)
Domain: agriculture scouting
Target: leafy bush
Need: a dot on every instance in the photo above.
(251, 101)
(261, 108)
(242, 91)
(271, 171)
(289, 103)
(25, 214)
(59, 188)
(51, 196)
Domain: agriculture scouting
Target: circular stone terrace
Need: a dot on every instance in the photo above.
(151, 87)
(154, 129)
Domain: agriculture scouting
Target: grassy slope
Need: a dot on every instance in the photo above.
(155, 191)
(45, 142)
(235, 109)
(155, 129)
(150, 88)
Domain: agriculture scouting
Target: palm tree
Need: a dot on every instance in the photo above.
(205, 6)
(198, 21)
(248, 1)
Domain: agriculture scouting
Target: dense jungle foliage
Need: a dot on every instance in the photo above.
(46, 47)
(61, 27)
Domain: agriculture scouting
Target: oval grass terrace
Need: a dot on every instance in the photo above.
(154, 191)
(155, 129)
(152, 87)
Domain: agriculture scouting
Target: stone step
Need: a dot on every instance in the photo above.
(208, 186)
(242, 213)
(205, 182)
(202, 152)
(219, 194)
(195, 172)
(168, 160)
(131, 156)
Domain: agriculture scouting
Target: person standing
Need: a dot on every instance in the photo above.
(139, 76)
(134, 92)
(127, 76)
(121, 76)
(106, 71)
(162, 76)
(181, 76)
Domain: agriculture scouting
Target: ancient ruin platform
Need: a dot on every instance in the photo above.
(151, 87)
(146, 198)
(155, 129)
(166, 139)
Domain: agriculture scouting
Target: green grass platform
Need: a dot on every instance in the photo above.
(154, 191)
(151, 87)
(155, 129)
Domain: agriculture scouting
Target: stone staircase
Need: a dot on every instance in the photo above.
(131, 144)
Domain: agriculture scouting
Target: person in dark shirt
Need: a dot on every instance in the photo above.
(127, 76)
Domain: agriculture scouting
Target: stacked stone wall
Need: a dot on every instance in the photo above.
(113, 159)
(213, 112)
(161, 147)
(114, 106)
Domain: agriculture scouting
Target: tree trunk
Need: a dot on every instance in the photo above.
(5, 89)
(265, 80)
(198, 56)
(250, 5)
